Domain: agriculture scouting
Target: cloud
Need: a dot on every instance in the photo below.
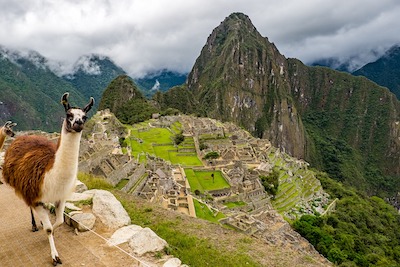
(143, 36)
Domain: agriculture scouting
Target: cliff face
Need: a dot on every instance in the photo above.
(352, 109)
(347, 126)
(241, 77)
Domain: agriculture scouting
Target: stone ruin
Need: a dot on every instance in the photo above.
(100, 151)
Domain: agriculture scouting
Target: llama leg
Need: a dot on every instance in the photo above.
(43, 215)
(34, 227)
(60, 206)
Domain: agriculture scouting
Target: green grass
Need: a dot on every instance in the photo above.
(203, 212)
(235, 204)
(159, 142)
(202, 180)
(122, 183)
(94, 182)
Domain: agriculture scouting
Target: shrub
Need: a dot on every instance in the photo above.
(179, 138)
(211, 155)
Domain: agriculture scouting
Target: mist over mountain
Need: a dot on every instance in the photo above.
(385, 71)
(92, 74)
(161, 81)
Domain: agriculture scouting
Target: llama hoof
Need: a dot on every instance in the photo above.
(56, 261)
(34, 229)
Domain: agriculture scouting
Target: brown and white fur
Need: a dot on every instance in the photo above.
(43, 172)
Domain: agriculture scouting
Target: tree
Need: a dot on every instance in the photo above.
(271, 182)
(211, 155)
(179, 138)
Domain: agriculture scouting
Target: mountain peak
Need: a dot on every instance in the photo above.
(90, 64)
(18, 57)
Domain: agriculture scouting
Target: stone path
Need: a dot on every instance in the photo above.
(19, 247)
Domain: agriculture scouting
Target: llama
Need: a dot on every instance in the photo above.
(5, 131)
(41, 171)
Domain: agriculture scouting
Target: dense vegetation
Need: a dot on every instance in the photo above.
(271, 181)
(124, 99)
(362, 231)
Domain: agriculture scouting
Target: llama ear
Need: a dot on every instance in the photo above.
(89, 105)
(10, 124)
(64, 101)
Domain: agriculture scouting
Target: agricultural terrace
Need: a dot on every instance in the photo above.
(203, 180)
(204, 212)
(159, 142)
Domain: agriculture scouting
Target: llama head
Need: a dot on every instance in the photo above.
(7, 128)
(75, 117)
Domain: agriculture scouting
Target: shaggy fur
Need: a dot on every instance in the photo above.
(28, 157)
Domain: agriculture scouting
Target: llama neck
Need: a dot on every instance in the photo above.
(68, 149)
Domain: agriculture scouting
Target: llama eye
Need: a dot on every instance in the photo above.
(84, 118)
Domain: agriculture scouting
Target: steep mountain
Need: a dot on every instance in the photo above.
(126, 101)
(347, 126)
(239, 76)
(385, 71)
(30, 92)
(160, 81)
(92, 74)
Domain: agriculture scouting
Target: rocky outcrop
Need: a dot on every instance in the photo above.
(145, 240)
(109, 210)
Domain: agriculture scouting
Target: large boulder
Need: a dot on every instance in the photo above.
(145, 241)
(83, 221)
(123, 234)
(109, 210)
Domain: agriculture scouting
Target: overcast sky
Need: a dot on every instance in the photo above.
(147, 35)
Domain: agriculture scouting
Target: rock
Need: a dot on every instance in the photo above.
(80, 187)
(83, 221)
(123, 234)
(145, 241)
(87, 195)
(173, 262)
(67, 218)
(109, 210)
(71, 206)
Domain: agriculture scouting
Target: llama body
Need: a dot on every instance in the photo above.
(41, 171)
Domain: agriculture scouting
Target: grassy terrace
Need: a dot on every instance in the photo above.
(203, 181)
(159, 142)
(203, 212)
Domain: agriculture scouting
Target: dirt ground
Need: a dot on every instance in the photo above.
(21, 247)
